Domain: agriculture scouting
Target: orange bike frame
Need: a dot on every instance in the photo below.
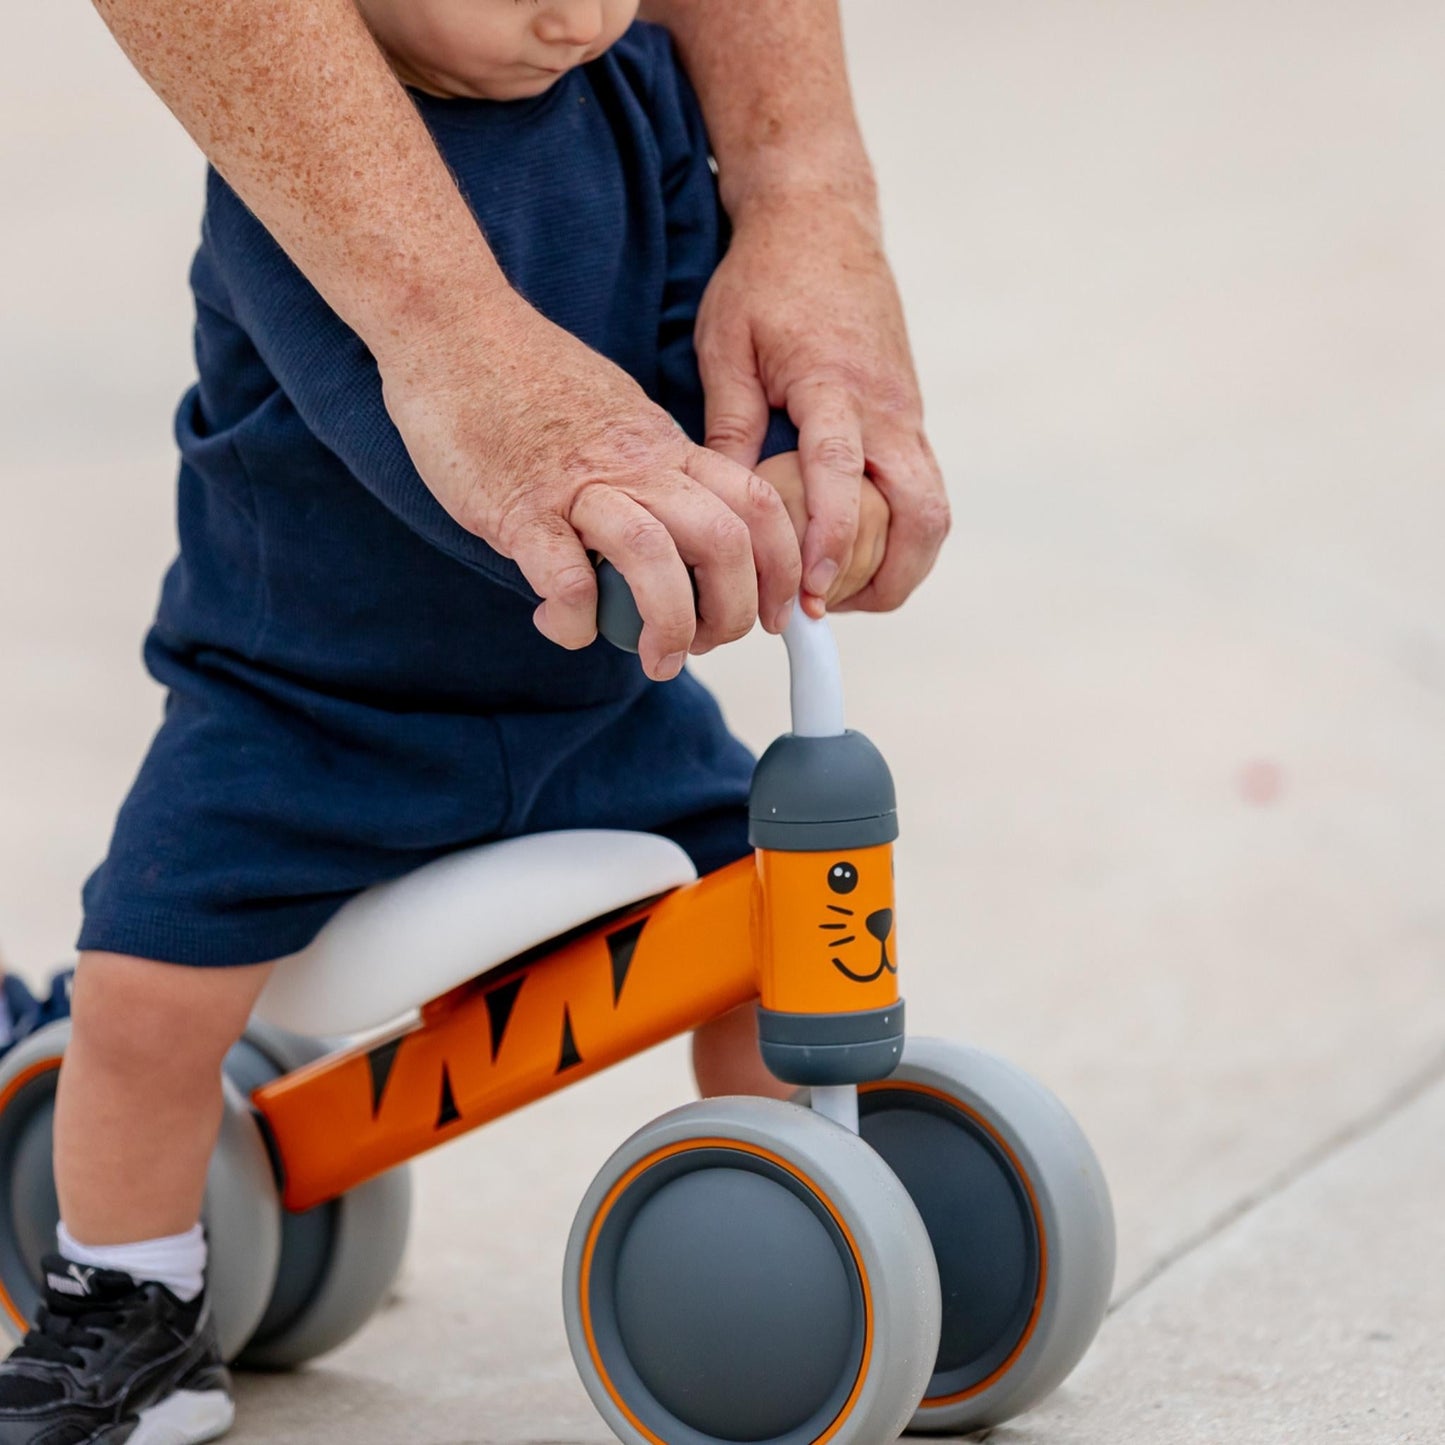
(572, 1007)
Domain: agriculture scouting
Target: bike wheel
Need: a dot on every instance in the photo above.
(1019, 1217)
(338, 1261)
(242, 1214)
(743, 1270)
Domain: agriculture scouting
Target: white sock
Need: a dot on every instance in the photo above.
(177, 1261)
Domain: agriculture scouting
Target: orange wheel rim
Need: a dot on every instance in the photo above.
(21, 1081)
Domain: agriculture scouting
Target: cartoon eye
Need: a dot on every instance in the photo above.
(842, 878)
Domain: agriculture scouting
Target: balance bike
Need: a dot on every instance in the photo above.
(923, 1240)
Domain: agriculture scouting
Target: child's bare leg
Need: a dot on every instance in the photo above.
(139, 1103)
(726, 1059)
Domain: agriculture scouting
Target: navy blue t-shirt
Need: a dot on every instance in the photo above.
(356, 685)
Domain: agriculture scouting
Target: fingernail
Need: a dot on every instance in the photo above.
(822, 577)
(670, 665)
(783, 616)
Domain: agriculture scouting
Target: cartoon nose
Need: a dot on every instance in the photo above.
(880, 924)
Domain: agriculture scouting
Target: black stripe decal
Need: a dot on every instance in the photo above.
(570, 1058)
(380, 1061)
(500, 1003)
(447, 1111)
(622, 945)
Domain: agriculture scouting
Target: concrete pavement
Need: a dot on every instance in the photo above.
(1166, 724)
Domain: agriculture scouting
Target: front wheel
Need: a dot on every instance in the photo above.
(1019, 1217)
(742, 1270)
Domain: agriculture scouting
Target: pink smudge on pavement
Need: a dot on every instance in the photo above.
(1261, 782)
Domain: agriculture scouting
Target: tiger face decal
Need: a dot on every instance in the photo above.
(830, 930)
(856, 938)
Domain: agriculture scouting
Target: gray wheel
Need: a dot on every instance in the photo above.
(28, 1209)
(241, 1212)
(743, 1270)
(1018, 1212)
(339, 1260)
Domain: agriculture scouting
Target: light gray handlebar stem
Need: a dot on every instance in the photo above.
(817, 679)
(816, 676)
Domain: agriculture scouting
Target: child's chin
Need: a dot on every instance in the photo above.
(518, 87)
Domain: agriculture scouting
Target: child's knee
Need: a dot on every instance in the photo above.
(135, 1014)
(726, 1058)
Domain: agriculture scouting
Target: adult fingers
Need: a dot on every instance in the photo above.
(908, 476)
(772, 544)
(556, 567)
(638, 544)
(868, 551)
(735, 404)
(830, 453)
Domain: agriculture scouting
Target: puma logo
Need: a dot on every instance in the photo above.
(75, 1281)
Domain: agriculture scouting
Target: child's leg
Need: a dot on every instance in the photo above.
(139, 1103)
(726, 1058)
(137, 1115)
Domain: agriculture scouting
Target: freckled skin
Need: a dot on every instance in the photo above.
(528, 438)
(295, 106)
(512, 424)
(803, 312)
(774, 87)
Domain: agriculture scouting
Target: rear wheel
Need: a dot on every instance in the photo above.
(241, 1213)
(339, 1260)
(1020, 1221)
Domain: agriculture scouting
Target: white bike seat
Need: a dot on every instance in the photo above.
(394, 947)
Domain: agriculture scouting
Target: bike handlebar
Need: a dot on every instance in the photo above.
(816, 680)
(618, 619)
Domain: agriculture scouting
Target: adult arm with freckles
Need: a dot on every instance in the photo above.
(803, 312)
(527, 438)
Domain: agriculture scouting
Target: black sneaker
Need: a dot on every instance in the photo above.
(112, 1361)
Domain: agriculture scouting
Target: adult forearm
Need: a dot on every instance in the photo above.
(774, 88)
(293, 103)
(803, 310)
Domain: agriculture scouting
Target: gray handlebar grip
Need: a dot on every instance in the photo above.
(618, 619)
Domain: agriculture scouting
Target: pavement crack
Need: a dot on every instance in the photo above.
(1393, 1103)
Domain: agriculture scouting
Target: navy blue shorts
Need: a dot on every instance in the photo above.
(264, 804)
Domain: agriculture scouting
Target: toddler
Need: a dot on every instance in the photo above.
(355, 685)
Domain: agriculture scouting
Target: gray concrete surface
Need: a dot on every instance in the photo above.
(1167, 723)
(1314, 1317)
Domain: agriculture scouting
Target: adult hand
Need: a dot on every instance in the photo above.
(803, 313)
(545, 449)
